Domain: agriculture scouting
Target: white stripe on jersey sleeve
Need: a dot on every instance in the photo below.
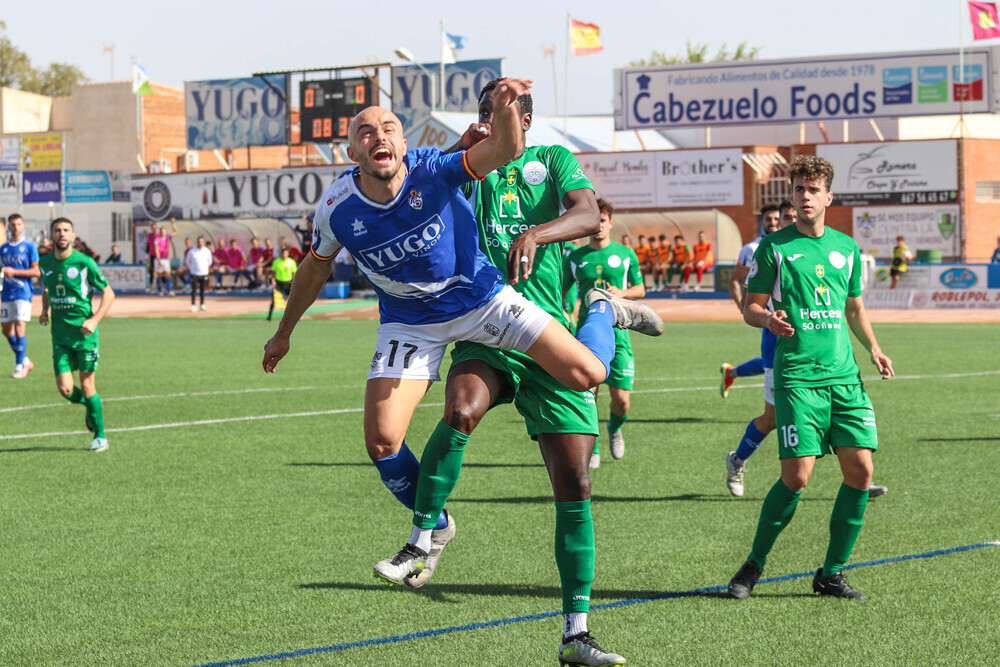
(776, 292)
(325, 243)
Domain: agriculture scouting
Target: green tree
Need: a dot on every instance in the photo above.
(16, 71)
(698, 53)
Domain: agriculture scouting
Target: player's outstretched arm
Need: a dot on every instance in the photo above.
(756, 314)
(861, 327)
(736, 285)
(506, 141)
(582, 218)
(89, 325)
(306, 285)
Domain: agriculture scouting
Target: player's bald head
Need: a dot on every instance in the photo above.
(372, 116)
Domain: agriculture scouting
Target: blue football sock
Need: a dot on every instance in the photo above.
(399, 473)
(12, 341)
(750, 442)
(753, 367)
(159, 284)
(21, 350)
(170, 284)
(597, 333)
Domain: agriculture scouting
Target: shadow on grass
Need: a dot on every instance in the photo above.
(43, 449)
(683, 420)
(464, 465)
(436, 591)
(982, 439)
(696, 497)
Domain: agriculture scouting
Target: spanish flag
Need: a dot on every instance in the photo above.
(586, 38)
(985, 24)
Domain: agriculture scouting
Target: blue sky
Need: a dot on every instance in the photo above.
(187, 40)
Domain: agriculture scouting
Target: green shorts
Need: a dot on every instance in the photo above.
(622, 374)
(82, 357)
(546, 404)
(812, 421)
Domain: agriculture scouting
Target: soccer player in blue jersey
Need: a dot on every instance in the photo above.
(19, 259)
(414, 236)
(770, 221)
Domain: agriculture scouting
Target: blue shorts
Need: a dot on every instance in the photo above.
(768, 343)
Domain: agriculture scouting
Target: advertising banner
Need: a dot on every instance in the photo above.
(919, 298)
(10, 154)
(41, 152)
(42, 186)
(262, 193)
(415, 90)
(667, 179)
(86, 186)
(898, 172)
(121, 186)
(236, 113)
(9, 188)
(805, 89)
(875, 228)
(125, 277)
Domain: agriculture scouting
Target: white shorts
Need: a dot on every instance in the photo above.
(15, 311)
(769, 386)
(161, 266)
(414, 351)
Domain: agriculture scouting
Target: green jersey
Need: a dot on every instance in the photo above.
(613, 266)
(71, 283)
(810, 278)
(525, 193)
(284, 269)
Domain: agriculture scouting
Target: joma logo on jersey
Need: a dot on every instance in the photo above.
(407, 245)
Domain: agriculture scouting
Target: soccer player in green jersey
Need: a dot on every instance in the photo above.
(70, 280)
(526, 210)
(813, 275)
(610, 266)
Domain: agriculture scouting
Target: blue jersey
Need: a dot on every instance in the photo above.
(20, 255)
(420, 251)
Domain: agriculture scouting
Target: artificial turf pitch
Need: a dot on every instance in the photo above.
(236, 515)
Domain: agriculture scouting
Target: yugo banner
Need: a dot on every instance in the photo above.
(236, 113)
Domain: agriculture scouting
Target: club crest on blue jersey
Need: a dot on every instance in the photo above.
(416, 200)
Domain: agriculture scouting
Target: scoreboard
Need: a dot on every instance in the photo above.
(328, 106)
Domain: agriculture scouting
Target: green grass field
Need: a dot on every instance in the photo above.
(236, 514)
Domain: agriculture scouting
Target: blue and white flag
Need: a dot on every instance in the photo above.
(455, 42)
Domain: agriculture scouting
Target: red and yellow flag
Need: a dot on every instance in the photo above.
(586, 38)
(985, 24)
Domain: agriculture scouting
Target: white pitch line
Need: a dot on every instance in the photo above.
(346, 410)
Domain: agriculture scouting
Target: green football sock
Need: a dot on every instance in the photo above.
(615, 422)
(95, 414)
(597, 450)
(575, 554)
(845, 525)
(777, 511)
(440, 465)
(76, 396)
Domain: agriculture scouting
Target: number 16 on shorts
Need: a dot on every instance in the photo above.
(790, 436)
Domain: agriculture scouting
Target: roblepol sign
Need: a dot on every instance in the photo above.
(806, 89)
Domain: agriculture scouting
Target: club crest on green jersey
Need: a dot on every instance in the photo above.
(820, 271)
(512, 176)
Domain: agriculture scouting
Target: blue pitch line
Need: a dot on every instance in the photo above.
(549, 614)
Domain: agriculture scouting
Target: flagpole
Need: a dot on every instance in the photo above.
(566, 81)
(444, 43)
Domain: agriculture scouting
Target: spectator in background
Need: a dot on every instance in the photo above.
(81, 246)
(703, 259)
(237, 263)
(900, 256)
(996, 253)
(293, 251)
(115, 257)
(221, 263)
(266, 257)
(282, 272)
(343, 267)
(644, 253)
(161, 264)
(254, 266)
(680, 262)
(198, 263)
(44, 246)
(661, 263)
(154, 231)
(305, 232)
(626, 240)
(183, 274)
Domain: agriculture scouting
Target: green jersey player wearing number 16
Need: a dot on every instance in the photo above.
(812, 273)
